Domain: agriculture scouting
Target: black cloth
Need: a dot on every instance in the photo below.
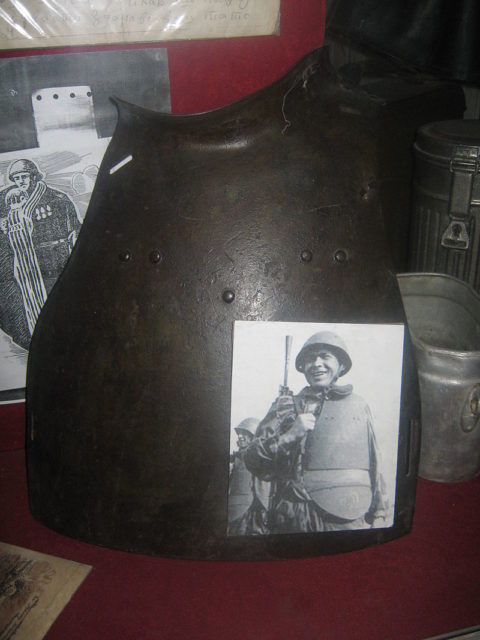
(434, 36)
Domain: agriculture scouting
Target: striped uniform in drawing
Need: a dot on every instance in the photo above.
(41, 225)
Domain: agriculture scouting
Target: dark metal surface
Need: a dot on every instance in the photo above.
(446, 200)
(397, 104)
(257, 211)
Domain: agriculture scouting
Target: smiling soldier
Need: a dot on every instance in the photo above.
(318, 448)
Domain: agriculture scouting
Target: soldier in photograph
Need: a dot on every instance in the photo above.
(248, 496)
(318, 449)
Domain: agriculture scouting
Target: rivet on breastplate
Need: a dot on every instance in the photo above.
(368, 191)
(306, 255)
(340, 255)
(125, 256)
(228, 296)
(155, 256)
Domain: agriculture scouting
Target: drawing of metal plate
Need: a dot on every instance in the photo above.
(59, 111)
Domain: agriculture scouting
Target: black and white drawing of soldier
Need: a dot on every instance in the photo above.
(319, 450)
(41, 225)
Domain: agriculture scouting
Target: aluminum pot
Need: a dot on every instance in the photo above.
(443, 315)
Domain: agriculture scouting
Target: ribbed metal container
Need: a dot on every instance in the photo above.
(445, 230)
(443, 316)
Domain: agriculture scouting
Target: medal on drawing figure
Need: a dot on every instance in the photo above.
(252, 215)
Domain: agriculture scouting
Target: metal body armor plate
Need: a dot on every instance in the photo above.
(262, 210)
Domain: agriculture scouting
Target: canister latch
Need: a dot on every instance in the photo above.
(456, 236)
(464, 165)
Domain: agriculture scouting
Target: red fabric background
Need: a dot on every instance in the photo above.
(423, 584)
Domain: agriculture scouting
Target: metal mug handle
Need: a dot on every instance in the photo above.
(471, 410)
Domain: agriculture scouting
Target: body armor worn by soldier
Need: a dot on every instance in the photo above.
(318, 448)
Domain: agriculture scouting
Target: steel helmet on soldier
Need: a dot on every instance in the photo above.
(249, 425)
(23, 166)
(329, 340)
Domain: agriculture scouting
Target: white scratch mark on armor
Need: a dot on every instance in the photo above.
(191, 218)
(121, 164)
(237, 235)
(324, 206)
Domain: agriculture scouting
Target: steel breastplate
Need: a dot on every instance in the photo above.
(259, 210)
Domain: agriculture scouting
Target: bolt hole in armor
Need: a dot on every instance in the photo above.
(255, 214)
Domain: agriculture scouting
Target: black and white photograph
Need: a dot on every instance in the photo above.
(314, 427)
